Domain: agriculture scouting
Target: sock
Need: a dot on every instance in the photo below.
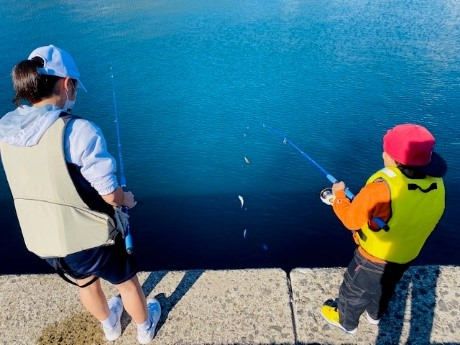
(146, 325)
(110, 321)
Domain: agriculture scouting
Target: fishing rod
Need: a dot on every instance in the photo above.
(380, 223)
(127, 233)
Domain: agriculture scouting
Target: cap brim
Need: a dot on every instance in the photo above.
(80, 84)
(437, 166)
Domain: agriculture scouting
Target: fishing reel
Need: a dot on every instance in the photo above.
(327, 196)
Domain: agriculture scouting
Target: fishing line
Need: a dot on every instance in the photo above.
(381, 224)
(127, 234)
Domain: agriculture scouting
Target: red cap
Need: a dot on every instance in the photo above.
(409, 144)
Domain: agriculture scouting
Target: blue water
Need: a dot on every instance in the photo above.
(195, 80)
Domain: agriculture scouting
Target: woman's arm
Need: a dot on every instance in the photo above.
(85, 147)
(120, 198)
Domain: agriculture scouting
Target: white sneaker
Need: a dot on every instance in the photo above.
(116, 306)
(154, 310)
(371, 320)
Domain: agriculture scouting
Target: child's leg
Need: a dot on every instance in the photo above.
(390, 278)
(133, 300)
(93, 299)
(353, 298)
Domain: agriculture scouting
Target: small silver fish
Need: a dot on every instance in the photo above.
(244, 233)
(241, 200)
(246, 160)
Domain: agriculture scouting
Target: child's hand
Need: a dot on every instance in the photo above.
(338, 186)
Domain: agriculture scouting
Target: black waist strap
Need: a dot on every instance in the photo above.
(62, 269)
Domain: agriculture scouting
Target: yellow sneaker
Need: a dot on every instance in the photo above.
(331, 315)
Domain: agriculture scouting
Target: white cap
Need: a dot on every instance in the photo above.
(57, 62)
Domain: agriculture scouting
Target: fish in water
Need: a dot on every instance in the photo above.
(246, 160)
(241, 200)
(244, 233)
(285, 141)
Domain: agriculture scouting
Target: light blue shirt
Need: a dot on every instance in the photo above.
(84, 143)
(85, 146)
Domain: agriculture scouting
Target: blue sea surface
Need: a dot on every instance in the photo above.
(195, 81)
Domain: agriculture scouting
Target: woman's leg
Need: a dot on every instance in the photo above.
(93, 299)
(133, 300)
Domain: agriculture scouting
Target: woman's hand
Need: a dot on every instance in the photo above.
(120, 198)
(128, 199)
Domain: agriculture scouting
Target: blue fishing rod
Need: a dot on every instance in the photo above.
(380, 223)
(127, 234)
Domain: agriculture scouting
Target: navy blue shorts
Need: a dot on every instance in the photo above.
(110, 263)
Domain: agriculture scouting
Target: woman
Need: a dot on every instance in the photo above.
(65, 191)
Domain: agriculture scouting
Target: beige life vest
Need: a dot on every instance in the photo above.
(54, 220)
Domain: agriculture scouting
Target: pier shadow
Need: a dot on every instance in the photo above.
(418, 285)
(167, 303)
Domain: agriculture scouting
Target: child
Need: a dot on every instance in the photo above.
(409, 196)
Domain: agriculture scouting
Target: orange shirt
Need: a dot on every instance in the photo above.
(372, 201)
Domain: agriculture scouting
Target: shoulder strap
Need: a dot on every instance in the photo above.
(65, 115)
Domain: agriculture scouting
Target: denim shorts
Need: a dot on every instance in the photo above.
(110, 263)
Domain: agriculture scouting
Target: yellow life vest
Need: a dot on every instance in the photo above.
(416, 208)
(54, 219)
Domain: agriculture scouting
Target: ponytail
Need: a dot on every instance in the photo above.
(29, 84)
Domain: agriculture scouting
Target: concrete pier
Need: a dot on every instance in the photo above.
(235, 307)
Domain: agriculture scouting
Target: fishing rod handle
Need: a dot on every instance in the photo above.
(129, 243)
(381, 224)
(128, 237)
(348, 192)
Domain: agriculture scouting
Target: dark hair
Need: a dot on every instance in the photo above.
(411, 171)
(29, 84)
